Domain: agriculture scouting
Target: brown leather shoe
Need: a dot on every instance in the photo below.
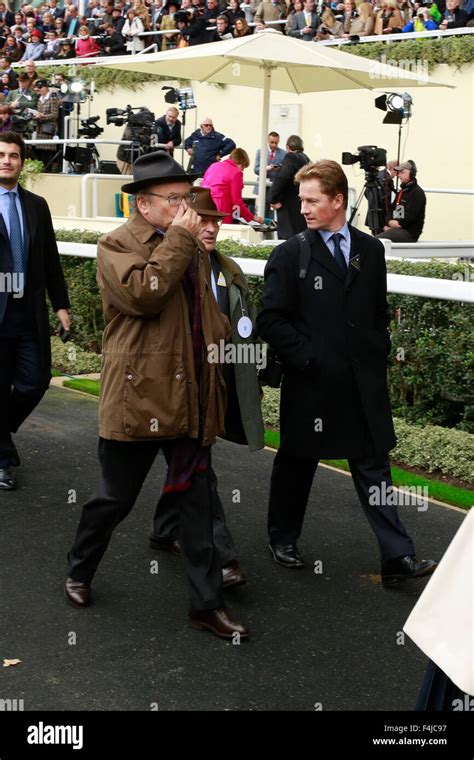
(233, 575)
(218, 622)
(78, 594)
(171, 545)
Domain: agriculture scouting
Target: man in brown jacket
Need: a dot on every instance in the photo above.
(158, 391)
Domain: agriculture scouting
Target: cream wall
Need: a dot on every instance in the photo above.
(438, 137)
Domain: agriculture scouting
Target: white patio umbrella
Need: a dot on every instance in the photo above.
(269, 60)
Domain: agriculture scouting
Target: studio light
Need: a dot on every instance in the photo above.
(398, 106)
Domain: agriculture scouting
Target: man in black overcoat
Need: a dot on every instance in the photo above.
(29, 267)
(330, 330)
(284, 193)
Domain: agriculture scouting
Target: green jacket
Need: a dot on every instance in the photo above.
(244, 422)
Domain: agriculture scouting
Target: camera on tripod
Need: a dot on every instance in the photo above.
(89, 128)
(140, 124)
(370, 157)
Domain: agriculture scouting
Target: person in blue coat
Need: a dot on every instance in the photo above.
(205, 146)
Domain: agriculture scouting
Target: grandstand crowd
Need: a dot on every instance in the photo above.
(55, 31)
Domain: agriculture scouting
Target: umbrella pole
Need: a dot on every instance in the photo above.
(262, 180)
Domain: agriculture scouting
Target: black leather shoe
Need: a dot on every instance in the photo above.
(7, 481)
(403, 568)
(233, 575)
(78, 594)
(287, 555)
(218, 622)
(166, 545)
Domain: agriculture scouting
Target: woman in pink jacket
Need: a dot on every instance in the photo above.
(85, 45)
(225, 180)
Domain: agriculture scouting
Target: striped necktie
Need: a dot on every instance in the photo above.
(16, 240)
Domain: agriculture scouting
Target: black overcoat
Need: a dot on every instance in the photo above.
(338, 404)
(43, 268)
(283, 190)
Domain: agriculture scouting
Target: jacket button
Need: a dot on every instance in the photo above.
(129, 377)
(178, 377)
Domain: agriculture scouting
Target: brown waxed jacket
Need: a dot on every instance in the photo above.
(148, 385)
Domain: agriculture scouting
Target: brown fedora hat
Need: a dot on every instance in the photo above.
(204, 205)
(156, 167)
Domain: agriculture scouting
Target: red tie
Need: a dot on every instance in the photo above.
(272, 156)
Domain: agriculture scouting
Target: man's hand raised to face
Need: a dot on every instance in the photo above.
(187, 218)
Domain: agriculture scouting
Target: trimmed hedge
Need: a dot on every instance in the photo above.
(434, 449)
(431, 379)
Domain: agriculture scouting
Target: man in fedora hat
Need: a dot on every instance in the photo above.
(158, 391)
(243, 420)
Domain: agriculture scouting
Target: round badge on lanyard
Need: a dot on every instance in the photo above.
(244, 327)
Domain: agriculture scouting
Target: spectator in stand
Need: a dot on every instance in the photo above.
(223, 31)
(19, 23)
(35, 48)
(47, 23)
(284, 193)
(13, 49)
(118, 20)
(60, 27)
(422, 22)
(72, 23)
(362, 24)
(86, 47)
(241, 28)
(205, 145)
(453, 17)
(168, 129)
(168, 22)
(52, 45)
(6, 15)
(407, 214)
(305, 24)
(106, 17)
(67, 50)
(233, 12)
(293, 9)
(225, 180)
(132, 28)
(6, 68)
(141, 10)
(196, 32)
(55, 10)
(330, 28)
(270, 10)
(114, 41)
(388, 19)
(4, 86)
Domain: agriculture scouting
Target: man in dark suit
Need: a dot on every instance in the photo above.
(72, 24)
(329, 328)
(29, 266)
(284, 193)
(168, 129)
(305, 23)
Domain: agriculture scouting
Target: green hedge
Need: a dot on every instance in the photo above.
(431, 378)
(434, 449)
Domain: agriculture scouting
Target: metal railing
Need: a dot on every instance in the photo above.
(425, 287)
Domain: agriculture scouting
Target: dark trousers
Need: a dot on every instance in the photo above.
(167, 518)
(291, 482)
(124, 469)
(23, 381)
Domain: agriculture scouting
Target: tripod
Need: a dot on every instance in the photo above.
(374, 191)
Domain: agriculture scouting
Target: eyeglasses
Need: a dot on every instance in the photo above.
(174, 199)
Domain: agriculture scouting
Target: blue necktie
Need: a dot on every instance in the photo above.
(16, 240)
(338, 254)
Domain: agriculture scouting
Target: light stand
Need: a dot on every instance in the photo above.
(184, 96)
